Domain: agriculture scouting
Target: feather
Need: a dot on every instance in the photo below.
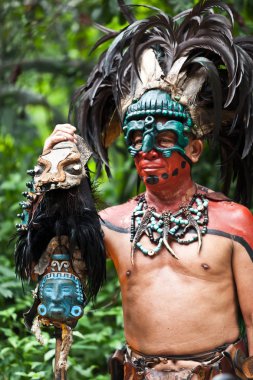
(104, 29)
(71, 213)
(214, 81)
(126, 11)
(103, 40)
(227, 55)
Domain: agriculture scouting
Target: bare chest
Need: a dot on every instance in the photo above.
(212, 261)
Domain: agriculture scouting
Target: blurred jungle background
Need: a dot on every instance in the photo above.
(44, 56)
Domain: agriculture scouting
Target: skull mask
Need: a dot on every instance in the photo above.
(62, 167)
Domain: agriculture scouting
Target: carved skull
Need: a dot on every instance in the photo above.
(62, 167)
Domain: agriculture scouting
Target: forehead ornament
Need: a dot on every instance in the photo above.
(141, 117)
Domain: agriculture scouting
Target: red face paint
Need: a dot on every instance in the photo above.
(159, 172)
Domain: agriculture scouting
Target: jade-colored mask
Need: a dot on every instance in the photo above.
(61, 293)
(141, 117)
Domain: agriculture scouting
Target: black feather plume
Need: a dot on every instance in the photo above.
(204, 37)
(65, 212)
(126, 11)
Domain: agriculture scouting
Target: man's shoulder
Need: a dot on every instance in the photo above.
(225, 210)
(228, 210)
(231, 220)
(120, 215)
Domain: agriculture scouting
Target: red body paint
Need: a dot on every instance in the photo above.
(224, 215)
(173, 172)
(231, 218)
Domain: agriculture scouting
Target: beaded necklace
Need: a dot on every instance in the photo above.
(167, 225)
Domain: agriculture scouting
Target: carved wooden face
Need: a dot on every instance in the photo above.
(59, 168)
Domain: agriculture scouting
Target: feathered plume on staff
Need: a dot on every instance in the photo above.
(62, 208)
(60, 242)
(195, 58)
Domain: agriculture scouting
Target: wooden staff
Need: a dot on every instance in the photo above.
(59, 373)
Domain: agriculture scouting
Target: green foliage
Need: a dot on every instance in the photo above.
(44, 56)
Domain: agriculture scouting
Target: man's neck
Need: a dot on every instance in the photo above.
(170, 198)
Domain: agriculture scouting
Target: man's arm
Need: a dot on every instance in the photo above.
(243, 275)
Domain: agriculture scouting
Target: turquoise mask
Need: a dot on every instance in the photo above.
(156, 103)
(61, 293)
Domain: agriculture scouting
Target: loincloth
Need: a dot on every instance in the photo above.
(224, 359)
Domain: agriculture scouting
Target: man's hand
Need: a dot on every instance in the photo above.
(62, 132)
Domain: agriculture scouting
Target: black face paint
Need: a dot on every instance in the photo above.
(165, 175)
(183, 164)
(152, 180)
(175, 172)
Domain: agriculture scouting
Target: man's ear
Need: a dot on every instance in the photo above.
(194, 150)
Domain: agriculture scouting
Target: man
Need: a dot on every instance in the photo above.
(188, 305)
(183, 253)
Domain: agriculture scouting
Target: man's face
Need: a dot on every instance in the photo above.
(153, 167)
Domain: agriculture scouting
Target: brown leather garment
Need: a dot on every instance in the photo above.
(232, 360)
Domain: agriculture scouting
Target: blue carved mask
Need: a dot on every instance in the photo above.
(61, 295)
(140, 117)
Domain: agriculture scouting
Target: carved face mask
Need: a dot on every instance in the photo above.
(61, 167)
(61, 297)
(61, 292)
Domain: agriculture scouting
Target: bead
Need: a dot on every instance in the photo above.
(31, 172)
(29, 185)
(179, 219)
